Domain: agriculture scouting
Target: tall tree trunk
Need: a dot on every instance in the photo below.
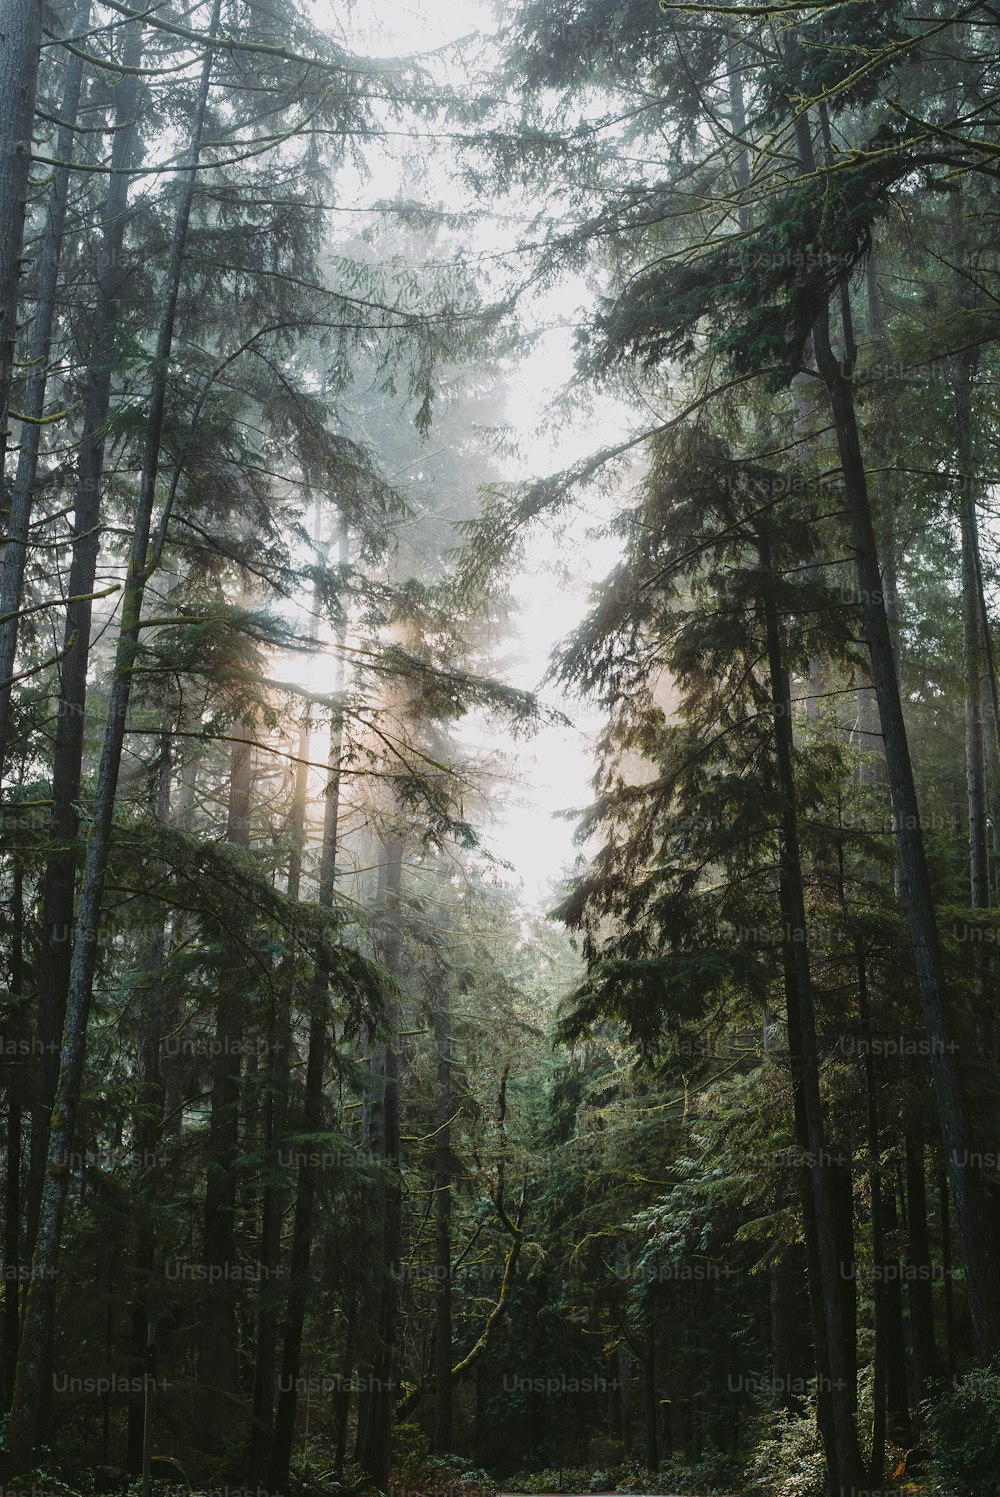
(992, 697)
(969, 1187)
(885, 508)
(20, 44)
(186, 773)
(24, 1425)
(876, 1462)
(443, 1389)
(829, 1293)
(789, 1298)
(946, 1270)
(652, 1406)
(148, 1133)
(973, 644)
(789, 1317)
(342, 1398)
(67, 760)
(15, 1068)
(976, 643)
(897, 1395)
(18, 519)
(378, 1397)
(218, 1373)
(919, 1264)
(842, 1182)
(275, 1124)
(304, 1226)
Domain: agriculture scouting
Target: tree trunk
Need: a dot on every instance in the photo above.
(304, 1226)
(21, 38)
(15, 1067)
(973, 645)
(305, 1202)
(148, 1134)
(18, 519)
(946, 1270)
(342, 1398)
(968, 1184)
(186, 772)
(876, 1462)
(790, 1344)
(842, 1183)
(378, 1397)
(897, 1395)
(652, 1442)
(443, 1391)
(919, 1265)
(218, 1373)
(830, 1293)
(24, 1425)
(275, 1124)
(67, 760)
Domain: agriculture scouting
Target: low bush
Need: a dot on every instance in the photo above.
(788, 1460)
(964, 1429)
(551, 1480)
(439, 1476)
(715, 1475)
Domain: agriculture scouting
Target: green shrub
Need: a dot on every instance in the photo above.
(550, 1480)
(719, 1472)
(312, 1474)
(713, 1476)
(604, 1453)
(438, 1476)
(788, 1460)
(964, 1427)
(48, 1480)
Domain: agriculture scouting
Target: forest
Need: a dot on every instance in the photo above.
(395, 404)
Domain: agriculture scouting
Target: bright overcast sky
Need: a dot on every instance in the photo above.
(379, 30)
(556, 766)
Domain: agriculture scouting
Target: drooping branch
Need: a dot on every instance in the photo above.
(516, 1228)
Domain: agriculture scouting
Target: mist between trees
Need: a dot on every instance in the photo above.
(331, 1163)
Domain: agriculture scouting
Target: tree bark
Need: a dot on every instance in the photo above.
(919, 1264)
(342, 1404)
(789, 1324)
(67, 760)
(969, 1187)
(218, 1373)
(443, 1387)
(829, 1293)
(20, 44)
(10, 1323)
(275, 1124)
(24, 1426)
(876, 1462)
(304, 1225)
(972, 643)
(378, 1398)
(897, 1395)
(652, 1442)
(18, 519)
(842, 1183)
(946, 1269)
(148, 1133)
